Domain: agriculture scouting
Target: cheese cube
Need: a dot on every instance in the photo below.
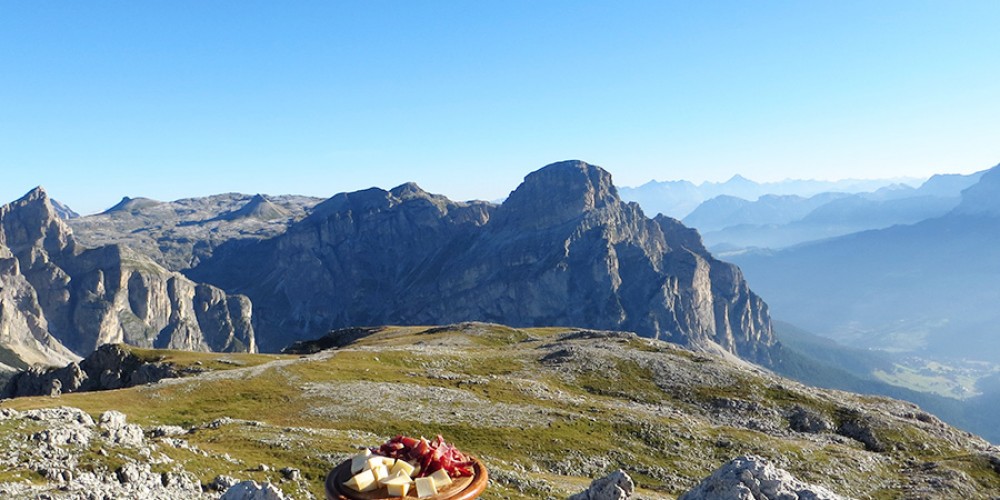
(380, 473)
(402, 466)
(374, 461)
(398, 490)
(388, 462)
(394, 478)
(362, 482)
(398, 484)
(441, 478)
(358, 461)
(398, 478)
(426, 487)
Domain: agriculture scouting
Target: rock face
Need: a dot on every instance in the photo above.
(563, 249)
(109, 367)
(754, 478)
(56, 292)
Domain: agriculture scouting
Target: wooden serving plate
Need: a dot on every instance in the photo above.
(461, 488)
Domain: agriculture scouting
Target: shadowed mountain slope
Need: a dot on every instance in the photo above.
(562, 249)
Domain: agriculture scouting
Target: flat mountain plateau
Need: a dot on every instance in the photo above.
(546, 409)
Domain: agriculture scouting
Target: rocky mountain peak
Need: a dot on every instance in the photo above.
(32, 222)
(408, 190)
(562, 249)
(559, 193)
(259, 207)
(132, 204)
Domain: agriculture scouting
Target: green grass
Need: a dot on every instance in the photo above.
(606, 418)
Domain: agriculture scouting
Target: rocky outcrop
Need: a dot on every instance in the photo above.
(56, 455)
(615, 486)
(250, 490)
(56, 292)
(563, 249)
(754, 478)
(109, 367)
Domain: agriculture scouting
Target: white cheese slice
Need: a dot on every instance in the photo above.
(362, 481)
(425, 487)
(358, 461)
(441, 478)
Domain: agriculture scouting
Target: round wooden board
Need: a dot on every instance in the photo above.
(462, 488)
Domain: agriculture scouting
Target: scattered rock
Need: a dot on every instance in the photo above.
(222, 483)
(753, 478)
(860, 428)
(805, 420)
(290, 473)
(250, 490)
(117, 431)
(615, 486)
(167, 431)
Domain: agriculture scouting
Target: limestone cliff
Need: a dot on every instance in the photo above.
(563, 249)
(56, 292)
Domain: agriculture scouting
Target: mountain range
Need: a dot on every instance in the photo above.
(679, 198)
(731, 224)
(563, 249)
(924, 288)
(565, 261)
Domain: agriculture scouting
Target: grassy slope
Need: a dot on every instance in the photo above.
(540, 431)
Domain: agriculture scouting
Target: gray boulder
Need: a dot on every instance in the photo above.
(615, 486)
(250, 490)
(753, 478)
(115, 430)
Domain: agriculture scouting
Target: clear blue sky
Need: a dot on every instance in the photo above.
(169, 99)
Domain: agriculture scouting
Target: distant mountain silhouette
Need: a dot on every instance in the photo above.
(928, 288)
(678, 199)
(730, 224)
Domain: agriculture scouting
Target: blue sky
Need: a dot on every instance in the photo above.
(99, 100)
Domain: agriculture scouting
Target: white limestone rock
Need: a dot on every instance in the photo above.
(753, 478)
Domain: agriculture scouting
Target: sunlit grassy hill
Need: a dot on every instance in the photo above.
(547, 410)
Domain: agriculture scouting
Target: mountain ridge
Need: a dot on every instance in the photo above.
(71, 299)
(562, 249)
